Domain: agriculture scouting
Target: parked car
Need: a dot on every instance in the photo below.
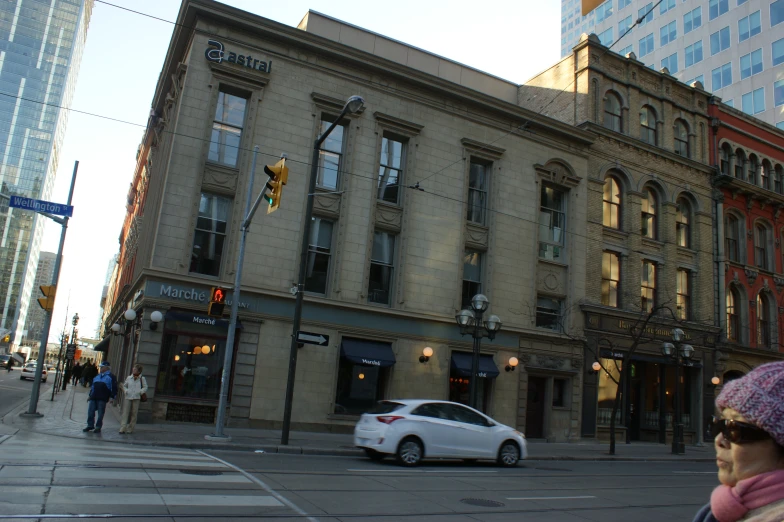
(415, 429)
(28, 372)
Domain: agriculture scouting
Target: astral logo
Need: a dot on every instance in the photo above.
(216, 53)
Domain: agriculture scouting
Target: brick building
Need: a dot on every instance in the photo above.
(502, 211)
(649, 232)
(748, 156)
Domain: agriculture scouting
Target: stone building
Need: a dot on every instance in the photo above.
(748, 157)
(499, 208)
(649, 232)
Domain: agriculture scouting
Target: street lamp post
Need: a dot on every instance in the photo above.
(68, 365)
(353, 105)
(678, 352)
(470, 322)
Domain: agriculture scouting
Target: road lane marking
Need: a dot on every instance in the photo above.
(263, 485)
(549, 498)
(356, 470)
(695, 472)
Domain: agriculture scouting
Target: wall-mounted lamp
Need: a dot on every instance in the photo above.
(129, 320)
(155, 318)
(595, 367)
(427, 353)
(715, 380)
(512, 364)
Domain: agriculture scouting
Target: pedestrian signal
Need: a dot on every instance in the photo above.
(217, 301)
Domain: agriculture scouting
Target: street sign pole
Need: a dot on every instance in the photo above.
(31, 410)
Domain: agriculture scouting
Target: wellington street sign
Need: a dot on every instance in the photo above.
(41, 206)
(312, 338)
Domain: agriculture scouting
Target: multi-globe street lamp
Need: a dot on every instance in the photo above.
(679, 353)
(471, 322)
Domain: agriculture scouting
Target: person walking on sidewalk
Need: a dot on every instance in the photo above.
(103, 390)
(749, 443)
(134, 387)
(88, 374)
(9, 364)
(76, 373)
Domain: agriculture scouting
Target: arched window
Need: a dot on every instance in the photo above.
(778, 179)
(732, 238)
(648, 221)
(612, 112)
(765, 174)
(681, 138)
(753, 169)
(611, 211)
(648, 125)
(761, 239)
(740, 164)
(733, 314)
(763, 321)
(682, 222)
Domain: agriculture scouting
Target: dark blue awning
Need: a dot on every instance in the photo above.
(461, 363)
(368, 353)
(103, 346)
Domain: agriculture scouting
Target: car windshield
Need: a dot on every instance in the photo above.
(385, 407)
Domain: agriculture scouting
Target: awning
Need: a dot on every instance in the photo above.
(641, 357)
(461, 363)
(103, 346)
(369, 353)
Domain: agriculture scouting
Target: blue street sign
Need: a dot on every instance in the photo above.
(41, 206)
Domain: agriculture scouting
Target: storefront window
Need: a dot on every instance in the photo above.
(459, 386)
(607, 390)
(359, 387)
(191, 366)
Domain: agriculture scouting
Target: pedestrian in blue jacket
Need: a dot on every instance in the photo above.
(103, 390)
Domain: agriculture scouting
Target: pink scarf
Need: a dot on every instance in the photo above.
(730, 504)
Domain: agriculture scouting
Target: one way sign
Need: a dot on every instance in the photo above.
(312, 338)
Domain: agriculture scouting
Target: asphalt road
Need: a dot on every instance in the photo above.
(13, 391)
(74, 478)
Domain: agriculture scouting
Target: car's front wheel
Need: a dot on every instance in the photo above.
(410, 451)
(374, 455)
(509, 454)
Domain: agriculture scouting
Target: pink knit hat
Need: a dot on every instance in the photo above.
(758, 396)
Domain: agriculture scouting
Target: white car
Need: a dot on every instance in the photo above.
(28, 372)
(416, 429)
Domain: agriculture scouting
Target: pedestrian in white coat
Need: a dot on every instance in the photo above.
(135, 388)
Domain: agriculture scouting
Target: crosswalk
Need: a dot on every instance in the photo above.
(72, 478)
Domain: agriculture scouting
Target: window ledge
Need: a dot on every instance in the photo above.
(553, 262)
(655, 243)
(387, 204)
(220, 166)
(618, 233)
(687, 250)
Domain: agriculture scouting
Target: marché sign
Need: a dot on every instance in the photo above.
(216, 53)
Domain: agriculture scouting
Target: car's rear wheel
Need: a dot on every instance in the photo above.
(410, 451)
(509, 454)
(374, 455)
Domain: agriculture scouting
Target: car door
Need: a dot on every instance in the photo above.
(472, 433)
(436, 429)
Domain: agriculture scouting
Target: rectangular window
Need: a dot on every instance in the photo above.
(699, 78)
(668, 33)
(330, 156)
(185, 372)
(560, 389)
(472, 276)
(606, 38)
(778, 52)
(646, 18)
(227, 129)
(548, 313)
(382, 265)
(611, 279)
(729, 103)
(694, 54)
(477, 192)
(753, 102)
(319, 256)
(751, 64)
(666, 5)
(210, 235)
(683, 295)
(778, 93)
(604, 11)
(776, 12)
(720, 40)
(718, 8)
(390, 170)
(721, 76)
(646, 45)
(360, 387)
(648, 286)
(749, 26)
(671, 63)
(780, 125)
(624, 25)
(692, 20)
(626, 50)
(740, 2)
(552, 222)
(624, 3)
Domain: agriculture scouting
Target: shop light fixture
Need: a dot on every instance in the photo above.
(197, 350)
(205, 349)
(715, 380)
(427, 353)
(512, 364)
(361, 376)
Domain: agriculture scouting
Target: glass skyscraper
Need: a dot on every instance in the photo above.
(41, 46)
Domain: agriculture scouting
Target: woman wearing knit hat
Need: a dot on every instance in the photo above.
(749, 440)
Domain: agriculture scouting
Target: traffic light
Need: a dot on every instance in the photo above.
(217, 301)
(279, 176)
(7, 338)
(47, 301)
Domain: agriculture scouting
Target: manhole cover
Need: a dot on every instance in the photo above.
(481, 502)
(200, 472)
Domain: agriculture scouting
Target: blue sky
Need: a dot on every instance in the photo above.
(124, 54)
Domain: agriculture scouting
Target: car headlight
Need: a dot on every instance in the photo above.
(520, 433)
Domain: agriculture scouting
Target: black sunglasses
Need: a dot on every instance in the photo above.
(738, 432)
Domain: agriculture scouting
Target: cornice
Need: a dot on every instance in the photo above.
(754, 137)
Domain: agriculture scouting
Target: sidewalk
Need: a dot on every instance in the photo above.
(67, 414)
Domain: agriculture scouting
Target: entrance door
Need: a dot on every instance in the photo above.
(635, 400)
(534, 408)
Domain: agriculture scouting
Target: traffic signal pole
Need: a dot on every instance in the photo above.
(31, 410)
